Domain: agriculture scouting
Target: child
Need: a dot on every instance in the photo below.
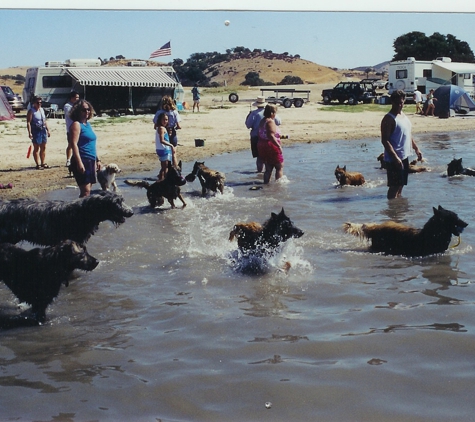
(165, 150)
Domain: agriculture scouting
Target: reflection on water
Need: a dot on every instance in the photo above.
(167, 328)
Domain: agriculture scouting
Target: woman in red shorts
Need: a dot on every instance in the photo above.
(269, 147)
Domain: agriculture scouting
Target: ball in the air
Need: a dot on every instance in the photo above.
(227, 23)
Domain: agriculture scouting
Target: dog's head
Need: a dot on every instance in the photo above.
(108, 206)
(339, 172)
(281, 228)
(174, 175)
(76, 256)
(455, 167)
(112, 168)
(196, 167)
(450, 220)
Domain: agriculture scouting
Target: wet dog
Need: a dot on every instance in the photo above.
(106, 176)
(399, 239)
(455, 167)
(49, 222)
(168, 188)
(210, 179)
(348, 178)
(254, 236)
(35, 276)
(413, 167)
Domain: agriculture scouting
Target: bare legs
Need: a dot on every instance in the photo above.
(279, 172)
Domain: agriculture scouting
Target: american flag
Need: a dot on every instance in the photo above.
(164, 50)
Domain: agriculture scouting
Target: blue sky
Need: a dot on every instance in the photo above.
(335, 39)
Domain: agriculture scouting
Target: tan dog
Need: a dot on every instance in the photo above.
(210, 179)
(348, 178)
(106, 176)
(413, 167)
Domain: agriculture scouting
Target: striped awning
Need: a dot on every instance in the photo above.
(151, 77)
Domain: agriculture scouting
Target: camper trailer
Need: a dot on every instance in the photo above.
(407, 75)
(126, 89)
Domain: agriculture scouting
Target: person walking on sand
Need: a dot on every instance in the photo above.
(73, 97)
(38, 132)
(430, 103)
(269, 146)
(418, 101)
(196, 97)
(396, 137)
(253, 119)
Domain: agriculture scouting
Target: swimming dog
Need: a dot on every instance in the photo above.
(210, 179)
(49, 222)
(399, 239)
(106, 176)
(348, 178)
(168, 188)
(413, 167)
(455, 167)
(35, 276)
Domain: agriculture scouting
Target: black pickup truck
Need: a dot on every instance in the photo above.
(352, 92)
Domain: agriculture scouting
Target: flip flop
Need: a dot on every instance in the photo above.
(45, 166)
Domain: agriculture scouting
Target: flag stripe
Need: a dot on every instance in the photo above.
(164, 50)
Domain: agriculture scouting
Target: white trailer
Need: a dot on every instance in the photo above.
(407, 75)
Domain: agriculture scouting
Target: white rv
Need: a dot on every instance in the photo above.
(119, 88)
(407, 75)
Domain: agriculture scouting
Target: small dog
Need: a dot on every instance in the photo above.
(413, 167)
(35, 276)
(106, 176)
(49, 222)
(254, 237)
(348, 178)
(167, 188)
(398, 239)
(210, 179)
(455, 167)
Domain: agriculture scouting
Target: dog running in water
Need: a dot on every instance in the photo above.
(455, 167)
(399, 239)
(413, 167)
(106, 176)
(348, 178)
(168, 188)
(35, 276)
(210, 179)
(49, 222)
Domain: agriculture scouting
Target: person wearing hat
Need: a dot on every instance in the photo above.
(252, 122)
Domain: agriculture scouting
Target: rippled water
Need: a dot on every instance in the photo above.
(165, 329)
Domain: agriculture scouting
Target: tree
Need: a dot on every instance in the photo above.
(418, 45)
(253, 79)
(291, 80)
(368, 70)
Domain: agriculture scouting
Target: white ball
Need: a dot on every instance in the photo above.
(227, 23)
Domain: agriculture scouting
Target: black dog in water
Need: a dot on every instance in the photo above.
(35, 276)
(455, 167)
(398, 239)
(50, 222)
(168, 188)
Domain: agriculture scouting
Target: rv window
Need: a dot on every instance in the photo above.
(64, 81)
(401, 74)
(467, 76)
(427, 73)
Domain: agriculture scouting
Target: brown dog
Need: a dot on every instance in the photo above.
(209, 179)
(413, 167)
(348, 178)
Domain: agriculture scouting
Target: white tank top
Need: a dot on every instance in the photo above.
(401, 138)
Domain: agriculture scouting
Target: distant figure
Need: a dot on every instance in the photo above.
(396, 137)
(38, 132)
(418, 101)
(196, 97)
(169, 108)
(253, 119)
(430, 103)
(73, 97)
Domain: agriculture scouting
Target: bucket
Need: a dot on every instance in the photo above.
(199, 142)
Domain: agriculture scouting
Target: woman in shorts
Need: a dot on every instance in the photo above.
(163, 147)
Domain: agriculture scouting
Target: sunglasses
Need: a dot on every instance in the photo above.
(85, 109)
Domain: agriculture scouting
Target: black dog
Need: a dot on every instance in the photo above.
(209, 179)
(167, 188)
(50, 222)
(398, 239)
(276, 230)
(455, 167)
(35, 276)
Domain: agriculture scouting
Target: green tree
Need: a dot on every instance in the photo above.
(253, 79)
(291, 80)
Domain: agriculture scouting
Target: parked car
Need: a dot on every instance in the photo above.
(377, 83)
(352, 92)
(14, 99)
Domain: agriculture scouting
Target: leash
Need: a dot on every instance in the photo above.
(458, 242)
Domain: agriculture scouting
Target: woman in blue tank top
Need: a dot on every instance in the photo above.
(84, 162)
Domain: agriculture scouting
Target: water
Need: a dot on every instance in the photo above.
(165, 329)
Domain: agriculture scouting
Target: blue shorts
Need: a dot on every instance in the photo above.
(40, 136)
(89, 176)
(164, 154)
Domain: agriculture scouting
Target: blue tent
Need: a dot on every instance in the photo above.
(452, 97)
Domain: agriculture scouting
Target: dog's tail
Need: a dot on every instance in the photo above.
(355, 229)
(137, 183)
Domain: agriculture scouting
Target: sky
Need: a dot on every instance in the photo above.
(341, 39)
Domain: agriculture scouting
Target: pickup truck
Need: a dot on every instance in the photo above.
(352, 92)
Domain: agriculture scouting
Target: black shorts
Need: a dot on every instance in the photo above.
(254, 141)
(396, 175)
(89, 176)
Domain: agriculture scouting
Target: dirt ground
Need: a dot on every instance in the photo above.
(129, 141)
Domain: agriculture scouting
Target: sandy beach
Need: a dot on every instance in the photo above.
(129, 141)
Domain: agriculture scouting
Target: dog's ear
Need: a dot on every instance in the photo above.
(436, 211)
(273, 215)
(179, 165)
(344, 168)
(282, 213)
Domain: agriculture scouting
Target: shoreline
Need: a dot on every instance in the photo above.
(129, 141)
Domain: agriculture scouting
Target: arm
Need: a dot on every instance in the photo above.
(29, 116)
(74, 132)
(417, 150)
(387, 128)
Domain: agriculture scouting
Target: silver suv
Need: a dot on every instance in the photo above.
(14, 99)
